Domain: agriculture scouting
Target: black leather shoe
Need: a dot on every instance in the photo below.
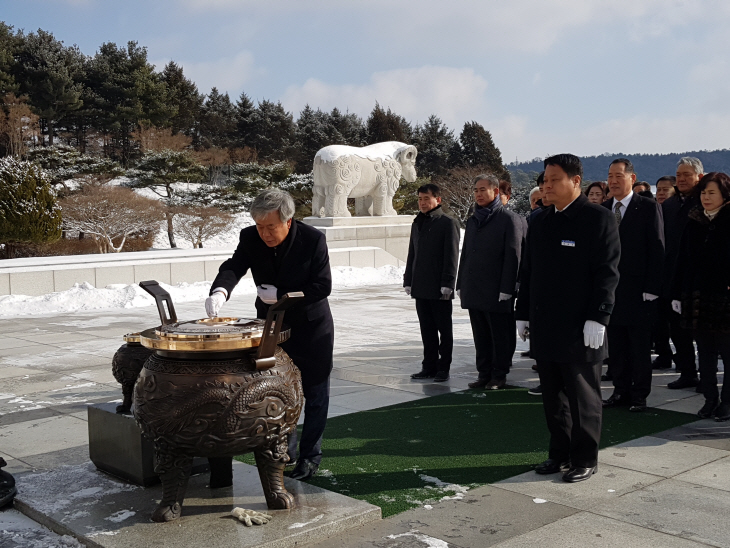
(708, 409)
(423, 374)
(662, 362)
(616, 400)
(495, 384)
(683, 382)
(525, 353)
(441, 376)
(536, 391)
(304, 470)
(579, 474)
(479, 383)
(552, 466)
(7, 486)
(638, 406)
(722, 413)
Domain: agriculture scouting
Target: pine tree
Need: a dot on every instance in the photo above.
(350, 127)
(387, 126)
(63, 162)
(9, 45)
(435, 143)
(478, 149)
(184, 96)
(314, 131)
(28, 209)
(245, 121)
(218, 120)
(273, 135)
(50, 74)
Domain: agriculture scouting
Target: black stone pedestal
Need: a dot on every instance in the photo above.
(117, 446)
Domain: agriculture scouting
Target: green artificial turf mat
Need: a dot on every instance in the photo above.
(410, 454)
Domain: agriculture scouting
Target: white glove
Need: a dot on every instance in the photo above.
(593, 334)
(267, 293)
(407, 289)
(446, 293)
(504, 297)
(677, 306)
(650, 297)
(214, 303)
(249, 517)
(522, 326)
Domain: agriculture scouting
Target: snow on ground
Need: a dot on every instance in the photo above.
(229, 238)
(19, 531)
(85, 296)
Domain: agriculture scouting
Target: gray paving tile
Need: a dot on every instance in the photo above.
(586, 530)
(609, 483)
(659, 456)
(374, 398)
(704, 432)
(677, 508)
(715, 474)
(486, 516)
(54, 338)
(27, 349)
(690, 404)
(56, 359)
(11, 342)
(8, 371)
(42, 436)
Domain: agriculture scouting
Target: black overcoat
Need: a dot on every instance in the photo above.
(675, 210)
(642, 260)
(569, 275)
(490, 261)
(433, 255)
(300, 263)
(702, 280)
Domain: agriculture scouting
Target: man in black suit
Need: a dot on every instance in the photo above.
(286, 256)
(430, 276)
(676, 210)
(566, 296)
(487, 281)
(641, 230)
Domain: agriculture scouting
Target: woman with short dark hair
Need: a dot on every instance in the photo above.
(596, 192)
(702, 288)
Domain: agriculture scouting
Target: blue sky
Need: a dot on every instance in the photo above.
(547, 76)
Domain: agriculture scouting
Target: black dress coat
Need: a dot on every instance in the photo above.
(490, 260)
(702, 280)
(569, 275)
(433, 255)
(642, 260)
(675, 212)
(300, 263)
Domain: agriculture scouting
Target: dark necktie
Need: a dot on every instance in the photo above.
(617, 211)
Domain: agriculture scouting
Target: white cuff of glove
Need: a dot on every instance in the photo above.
(650, 297)
(267, 293)
(458, 293)
(677, 306)
(407, 289)
(522, 326)
(214, 303)
(446, 292)
(593, 334)
(504, 297)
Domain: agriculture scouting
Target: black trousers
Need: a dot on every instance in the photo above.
(316, 405)
(437, 333)
(709, 345)
(684, 346)
(571, 399)
(661, 330)
(630, 349)
(495, 340)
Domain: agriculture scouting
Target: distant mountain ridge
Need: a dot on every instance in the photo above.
(649, 167)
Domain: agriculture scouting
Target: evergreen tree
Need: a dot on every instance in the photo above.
(387, 126)
(273, 135)
(245, 121)
(314, 131)
(50, 74)
(63, 162)
(478, 149)
(28, 209)
(9, 45)
(184, 96)
(349, 127)
(124, 92)
(217, 121)
(435, 143)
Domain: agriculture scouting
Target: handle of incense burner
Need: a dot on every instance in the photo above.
(274, 318)
(162, 299)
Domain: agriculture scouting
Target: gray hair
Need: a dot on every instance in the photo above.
(694, 163)
(273, 199)
(534, 191)
(489, 178)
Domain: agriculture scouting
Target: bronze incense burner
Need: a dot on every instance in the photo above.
(217, 387)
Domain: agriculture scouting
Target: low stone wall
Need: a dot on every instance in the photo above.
(41, 275)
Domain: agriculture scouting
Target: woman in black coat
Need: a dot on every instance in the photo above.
(702, 288)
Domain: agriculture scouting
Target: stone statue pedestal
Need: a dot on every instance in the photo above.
(389, 233)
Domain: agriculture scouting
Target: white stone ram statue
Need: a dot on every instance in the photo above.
(369, 174)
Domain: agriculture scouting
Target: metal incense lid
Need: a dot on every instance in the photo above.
(208, 335)
(131, 338)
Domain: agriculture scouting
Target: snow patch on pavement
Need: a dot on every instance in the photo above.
(428, 542)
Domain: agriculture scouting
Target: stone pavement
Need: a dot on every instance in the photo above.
(670, 489)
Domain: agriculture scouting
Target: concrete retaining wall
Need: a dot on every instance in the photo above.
(41, 275)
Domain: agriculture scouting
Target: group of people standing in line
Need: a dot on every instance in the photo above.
(594, 275)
